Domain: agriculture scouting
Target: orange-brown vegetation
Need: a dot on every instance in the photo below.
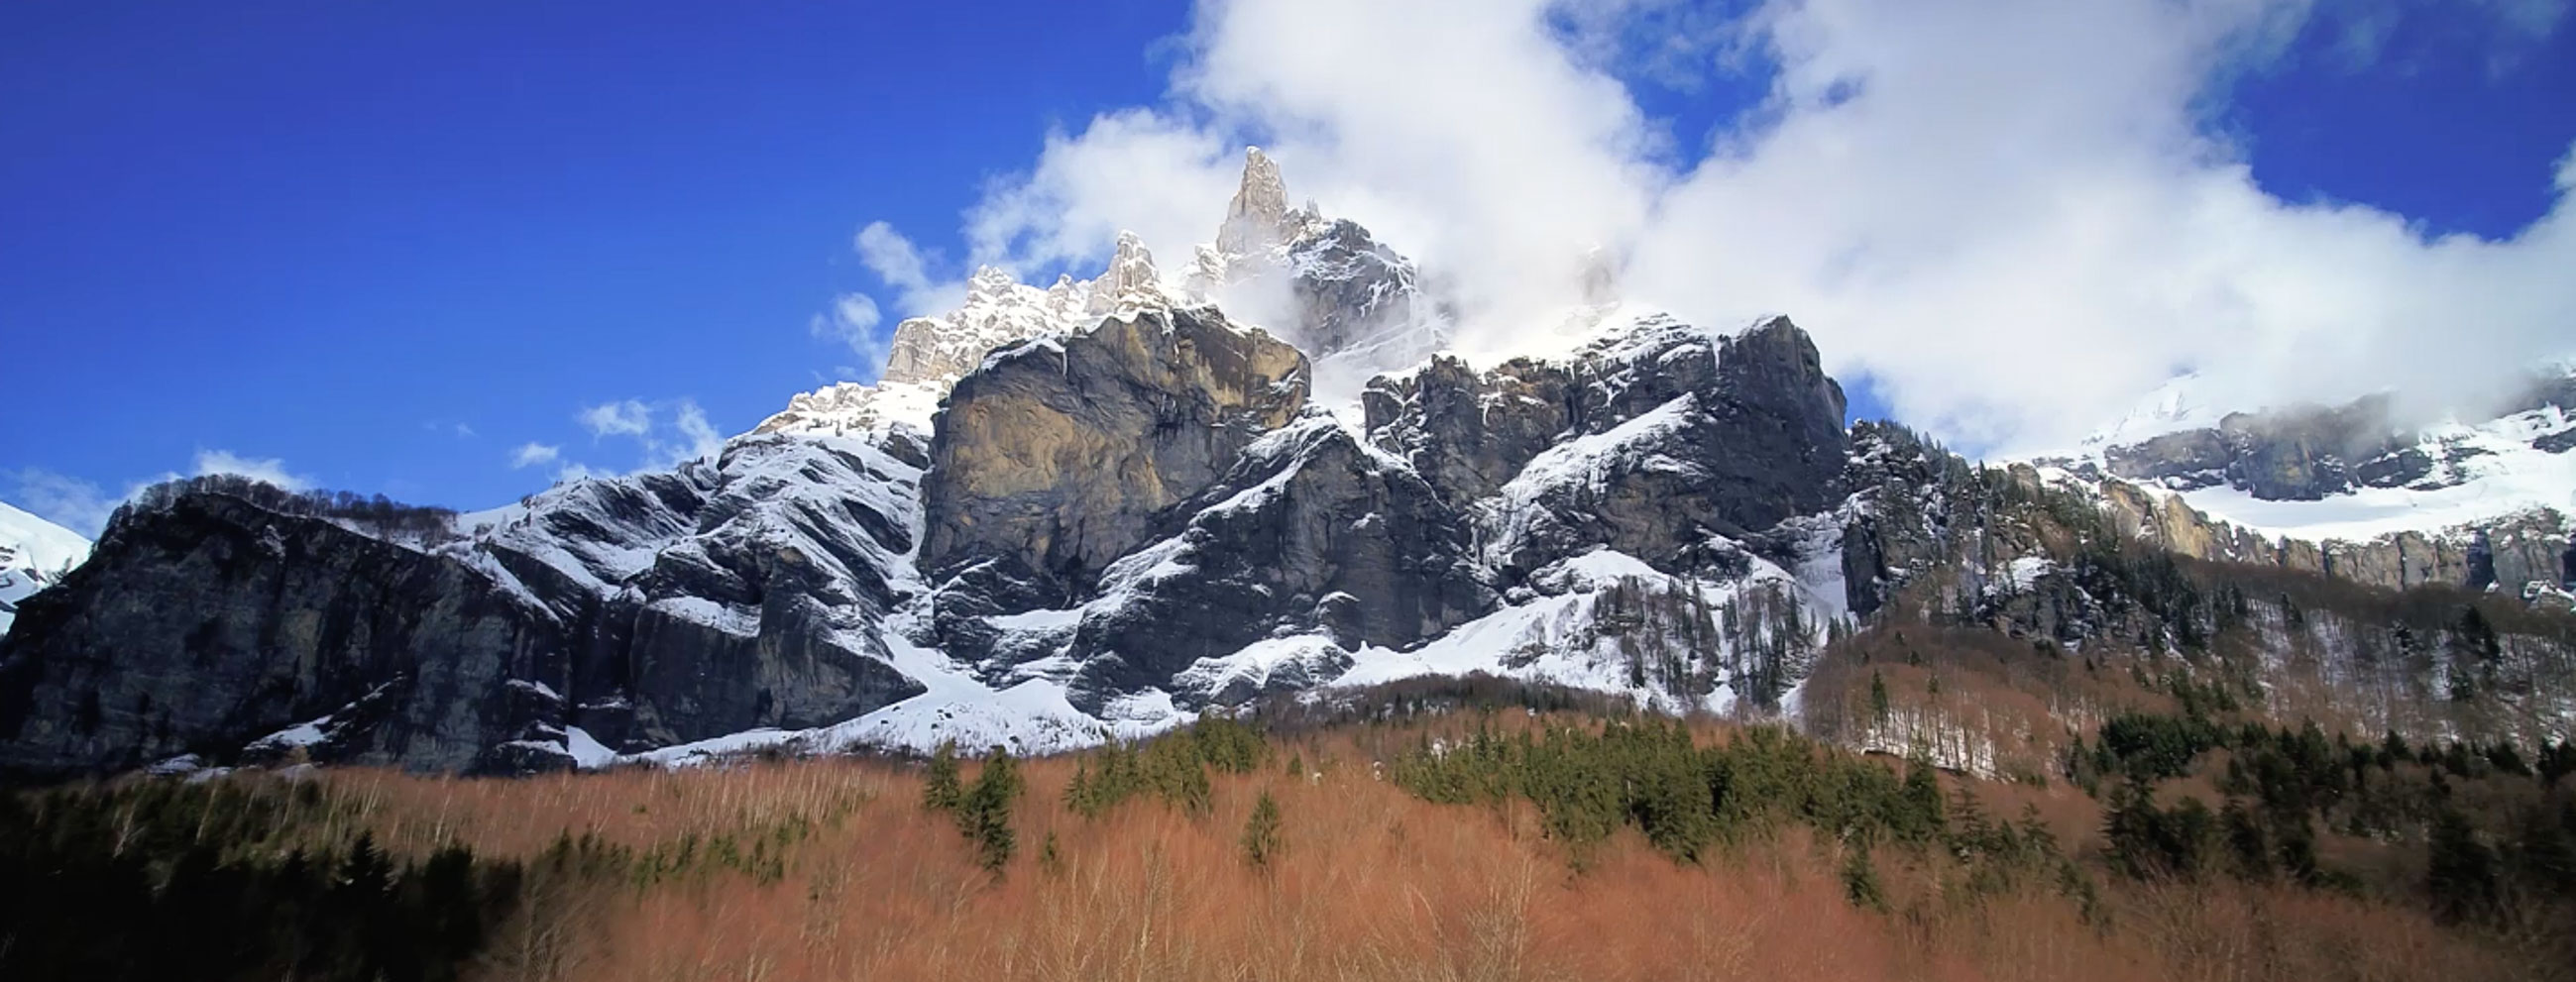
(832, 869)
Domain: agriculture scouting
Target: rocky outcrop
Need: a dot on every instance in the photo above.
(998, 310)
(2507, 552)
(2301, 453)
(1311, 533)
(1918, 510)
(209, 625)
(2308, 453)
(1057, 457)
(1653, 441)
(1327, 285)
(602, 616)
(1255, 218)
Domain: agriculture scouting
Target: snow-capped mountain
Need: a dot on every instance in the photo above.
(1325, 285)
(1097, 509)
(34, 554)
(2353, 474)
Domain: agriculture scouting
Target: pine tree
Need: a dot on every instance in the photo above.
(1078, 793)
(1261, 832)
(1050, 859)
(939, 790)
(1860, 880)
(2461, 873)
(985, 813)
(1877, 698)
(1924, 820)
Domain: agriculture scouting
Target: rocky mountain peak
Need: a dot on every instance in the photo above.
(1260, 207)
(1130, 283)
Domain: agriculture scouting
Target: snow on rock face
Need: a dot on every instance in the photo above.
(929, 354)
(998, 310)
(34, 554)
(2343, 490)
(1607, 621)
(2476, 473)
(1328, 286)
(1127, 513)
(2349, 471)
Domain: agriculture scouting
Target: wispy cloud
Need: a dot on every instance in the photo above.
(533, 454)
(64, 500)
(853, 321)
(268, 469)
(623, 418)
(84, 507)
(666, 434)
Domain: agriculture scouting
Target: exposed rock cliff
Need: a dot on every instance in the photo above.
(1652, 441)
(603, 615)
(1054, 459)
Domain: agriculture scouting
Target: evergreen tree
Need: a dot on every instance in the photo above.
(2248, 843)
(1877, 698)
(985, 813)
(2461, 872)
(1050, 859)
(939, 789)
(1261, 832)
(1860, 880)
(1922, 819)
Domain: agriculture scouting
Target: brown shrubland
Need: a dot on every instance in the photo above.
(832, 869)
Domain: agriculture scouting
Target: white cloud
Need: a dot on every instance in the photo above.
(533, 454)
(687, 435)
(2015, 216)
(905, 270)
(1134, 170)
(268, 469)
(64, 500)
(697, 438)
(624, 418)
(853, 321)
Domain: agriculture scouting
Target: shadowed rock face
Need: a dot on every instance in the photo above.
(2307, 453)
(1651, 441)
(1311, 533)
(209, 624)
(1054, 459)
(215, 623)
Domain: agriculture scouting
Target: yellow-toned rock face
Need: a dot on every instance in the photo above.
(1053, 459)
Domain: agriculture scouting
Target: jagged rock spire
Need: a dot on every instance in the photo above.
(1252, 220)
(1130, 279)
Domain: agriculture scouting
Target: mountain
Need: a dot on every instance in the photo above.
(34, 554)
(2401, 504)
(1095, 510)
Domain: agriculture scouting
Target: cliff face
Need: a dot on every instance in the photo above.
(1055, 459)
(600, 617)
(1088, 510)
(2507, 553)
(1653, 441)
(216, 623)
(1067, 529)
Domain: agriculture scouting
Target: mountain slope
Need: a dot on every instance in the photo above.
(1097, 510)
(34, 554)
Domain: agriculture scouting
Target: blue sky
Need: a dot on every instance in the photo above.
(388, 244)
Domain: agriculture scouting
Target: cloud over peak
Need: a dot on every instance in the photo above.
(266, 469)
(2015, 217)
